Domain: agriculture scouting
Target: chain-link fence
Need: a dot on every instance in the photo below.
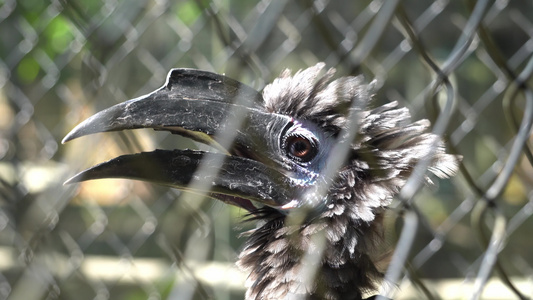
(465, 65)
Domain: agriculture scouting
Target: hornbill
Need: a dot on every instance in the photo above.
(275, 165)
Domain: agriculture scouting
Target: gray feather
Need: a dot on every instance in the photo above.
(387, 148)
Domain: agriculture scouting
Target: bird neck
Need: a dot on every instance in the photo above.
(329, 258)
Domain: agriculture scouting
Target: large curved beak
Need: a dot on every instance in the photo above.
(199, 105)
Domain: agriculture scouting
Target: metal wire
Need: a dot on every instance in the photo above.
(466, 66)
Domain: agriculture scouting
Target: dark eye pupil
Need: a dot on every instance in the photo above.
(301, 148)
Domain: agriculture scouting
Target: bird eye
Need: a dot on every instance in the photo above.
(301, 148)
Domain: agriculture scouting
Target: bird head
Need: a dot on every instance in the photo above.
(276, 148)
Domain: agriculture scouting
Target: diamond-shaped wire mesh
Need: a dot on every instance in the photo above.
(60, 61)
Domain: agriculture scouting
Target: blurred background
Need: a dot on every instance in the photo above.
(61, 61)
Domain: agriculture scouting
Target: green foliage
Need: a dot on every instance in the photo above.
(58, 35)
(32, 5)
(28, 69)
(188, 12)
